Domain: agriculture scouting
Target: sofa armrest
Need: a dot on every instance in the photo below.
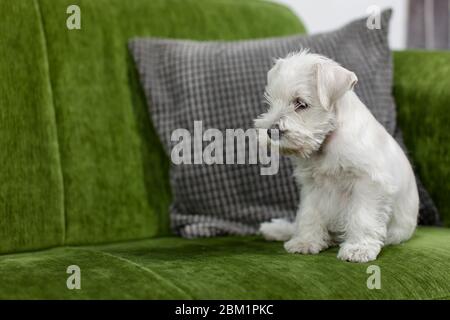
(422, 93)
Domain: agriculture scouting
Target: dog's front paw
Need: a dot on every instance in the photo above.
(358, 252)
(298, 245)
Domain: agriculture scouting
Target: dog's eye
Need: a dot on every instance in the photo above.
(299, 104)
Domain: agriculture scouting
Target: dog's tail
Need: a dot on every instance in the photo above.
(277, 230)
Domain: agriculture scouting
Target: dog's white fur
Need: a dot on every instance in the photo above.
(357, 186)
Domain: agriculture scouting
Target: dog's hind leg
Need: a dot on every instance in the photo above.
(400, 230)
(404, 219)
(277, 230)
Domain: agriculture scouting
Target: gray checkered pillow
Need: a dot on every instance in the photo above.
(222, 84)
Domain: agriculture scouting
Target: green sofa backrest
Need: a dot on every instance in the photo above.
(31, 188)
(82, 162)
(422, 93)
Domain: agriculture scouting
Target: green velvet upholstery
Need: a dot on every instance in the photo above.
(229, 268)
(115, 173)
(81, 164)
(31, 189)
(422, 92)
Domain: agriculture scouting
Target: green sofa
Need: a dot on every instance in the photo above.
(84, 180)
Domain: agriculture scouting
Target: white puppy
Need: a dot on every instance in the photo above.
(357, 186)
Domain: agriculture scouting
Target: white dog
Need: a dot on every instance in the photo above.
(357, 186)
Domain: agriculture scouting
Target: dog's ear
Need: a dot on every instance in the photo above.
(333, 81)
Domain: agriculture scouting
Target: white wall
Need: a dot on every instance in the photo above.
(326, 15)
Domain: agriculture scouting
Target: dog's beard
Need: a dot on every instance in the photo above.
(294, 147)
(303, 150)
(304, 145)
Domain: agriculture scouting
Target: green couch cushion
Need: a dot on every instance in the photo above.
(422, 93)
(31, 189)
(115, 172)
(229, 268)
(43, 275)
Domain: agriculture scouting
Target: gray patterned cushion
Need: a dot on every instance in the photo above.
(222, 84)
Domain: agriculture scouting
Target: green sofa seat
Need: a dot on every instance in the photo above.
(228, 268)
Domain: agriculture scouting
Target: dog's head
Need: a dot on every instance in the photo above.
(301, 91)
